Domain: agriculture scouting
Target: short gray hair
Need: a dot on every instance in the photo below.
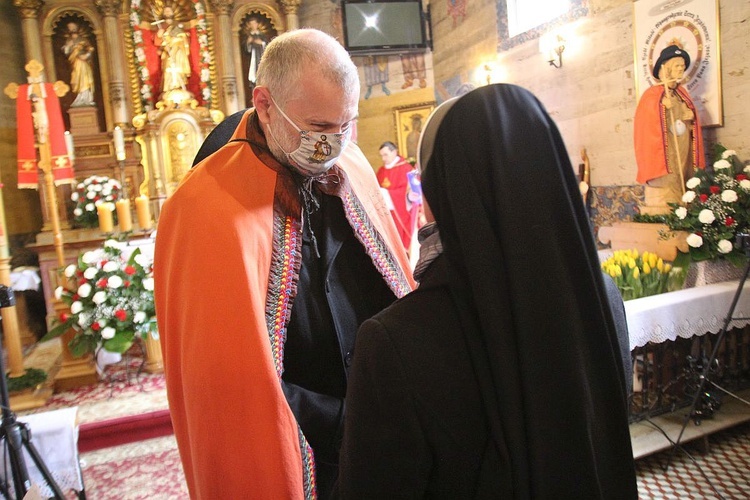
(287, 55)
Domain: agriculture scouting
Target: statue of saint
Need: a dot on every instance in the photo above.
(255, 45)
(174, 48)
(668, 137)
(78, 49)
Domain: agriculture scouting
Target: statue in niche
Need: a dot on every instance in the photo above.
(256, 32)
(79, 50)
(174, 48)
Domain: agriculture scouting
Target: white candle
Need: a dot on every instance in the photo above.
(119, 144)
(69, 146)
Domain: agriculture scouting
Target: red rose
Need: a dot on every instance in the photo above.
(102, 283)
(129, 270)
(703, 198)
(729, 221)
(64, 317)
(121, 314)
(75, 297)
(96, 326)
(715, 189)
(741, 177)
(126, 283)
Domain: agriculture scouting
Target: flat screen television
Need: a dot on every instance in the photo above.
(376, 27)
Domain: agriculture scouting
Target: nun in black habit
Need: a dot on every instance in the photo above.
(501, 375)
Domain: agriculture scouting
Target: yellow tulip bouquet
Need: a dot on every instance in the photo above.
(640, 275)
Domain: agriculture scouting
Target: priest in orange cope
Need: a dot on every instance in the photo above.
(269, 255)
(393, 177)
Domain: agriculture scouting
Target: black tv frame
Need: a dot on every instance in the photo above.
(425, 27)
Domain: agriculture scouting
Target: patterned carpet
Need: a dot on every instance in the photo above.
(151, 469)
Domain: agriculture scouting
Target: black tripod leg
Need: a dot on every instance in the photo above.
(12, 433)
(46, 474)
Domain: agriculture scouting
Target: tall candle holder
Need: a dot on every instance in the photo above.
(119, 138)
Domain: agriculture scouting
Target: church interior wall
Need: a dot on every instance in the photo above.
(592, 97)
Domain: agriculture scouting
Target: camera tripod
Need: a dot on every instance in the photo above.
(16, 436)
(703, 403)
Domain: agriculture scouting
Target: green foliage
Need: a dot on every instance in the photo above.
(32, 378)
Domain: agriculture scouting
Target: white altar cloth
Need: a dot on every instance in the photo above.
(55, 436)
(685, 313)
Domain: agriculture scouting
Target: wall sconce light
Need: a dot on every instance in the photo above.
(552, 45)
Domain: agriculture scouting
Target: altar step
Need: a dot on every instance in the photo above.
(647, 439)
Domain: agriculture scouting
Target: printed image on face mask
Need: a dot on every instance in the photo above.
(316, 153)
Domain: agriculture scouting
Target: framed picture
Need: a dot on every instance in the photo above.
(694, 26)
(409, 121)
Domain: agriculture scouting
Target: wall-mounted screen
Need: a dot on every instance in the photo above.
(385, 26)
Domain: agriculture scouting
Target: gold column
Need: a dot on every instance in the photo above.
(110, 9)
(290, 11)
(227, 77)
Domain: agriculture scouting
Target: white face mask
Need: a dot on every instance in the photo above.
(317, 152)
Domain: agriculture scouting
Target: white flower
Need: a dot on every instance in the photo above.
(728, 152)
(99, 297)
(90, 207)
(681, 212)
(148, 284)
(139, 317)
(746, 169)
(114, 282)
(89, 257)
(745, 184)
(729, 196)
(58, 292)
(96, 187)
(70, 271)
(144, 261)
(688, 196)
(76, 307)
(725, 246)
(83, 319)
(706, 216)
(74, 196)
(721, 164)
(115, 244)
(694, 240)
(90, 273)
(77, 212)
(110, 267)
(108, 332)
(693, 183)
(84, 290)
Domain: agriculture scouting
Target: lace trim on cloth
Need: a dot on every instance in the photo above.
(374, 245)
(282, 287)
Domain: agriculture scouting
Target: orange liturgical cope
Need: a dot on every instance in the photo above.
(214, 258)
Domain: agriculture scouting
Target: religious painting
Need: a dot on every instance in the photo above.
(409, 122)
(256, 30)
(170, 45)
(694, 28)
(77, 63)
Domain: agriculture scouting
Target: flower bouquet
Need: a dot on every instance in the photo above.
(89, 194)
(639, 275)
(111, 300)
(714, 209)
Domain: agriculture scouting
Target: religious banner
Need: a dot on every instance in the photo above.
(43, 114)
(694, 27)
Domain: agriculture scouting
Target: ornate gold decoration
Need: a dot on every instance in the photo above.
(217, 116)
(139, 121)
(179, 137)
(109, 8)
(214, 78)
(28, 8)
(135, 89)
(290, 6)
(222, 7)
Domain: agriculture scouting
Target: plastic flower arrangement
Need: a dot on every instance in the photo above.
(715, 207)
(111, 300)
(638, 275)
(89, 194)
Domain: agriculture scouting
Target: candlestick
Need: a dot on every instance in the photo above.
(143, 212)
(69, 146)
(106, 223)
(124, 219)
(119, 137)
